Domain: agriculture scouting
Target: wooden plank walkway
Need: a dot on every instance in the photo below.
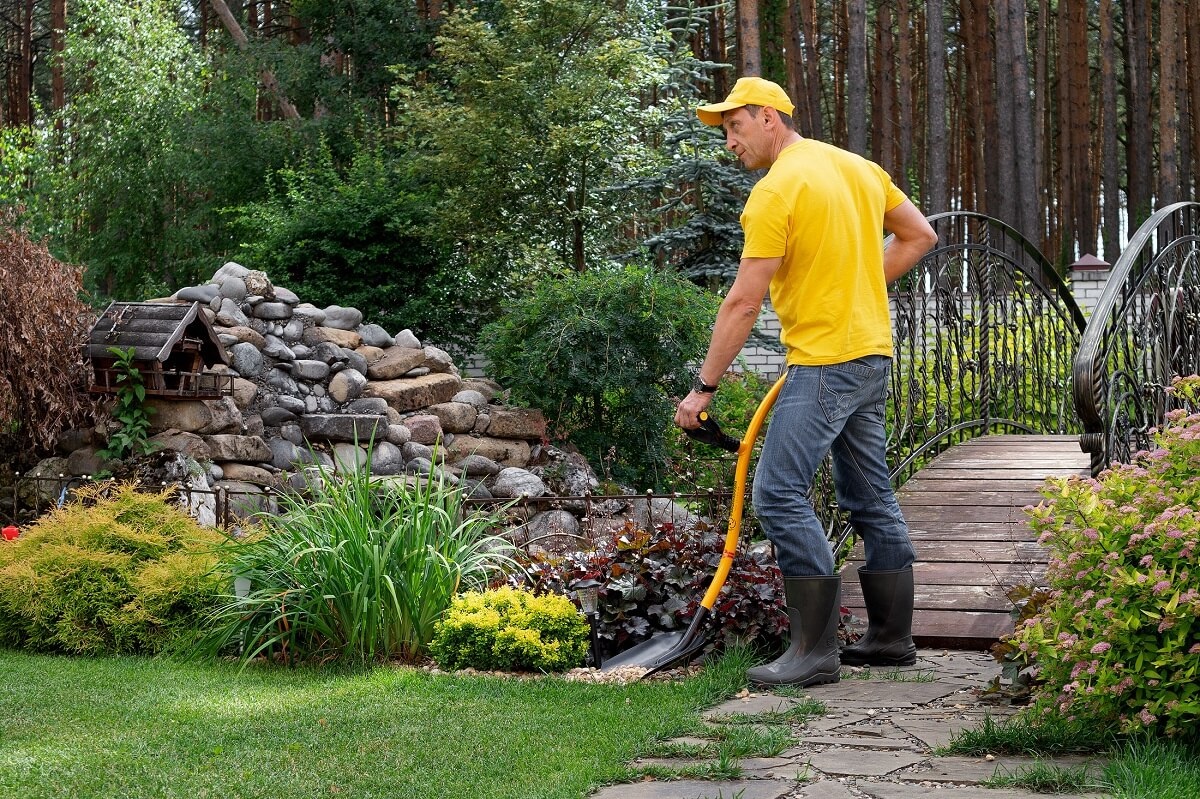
(965, 513)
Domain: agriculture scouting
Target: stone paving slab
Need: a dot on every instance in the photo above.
(698, 789)
(864, 742)
(977, 769)
(839, 762)
(936, 732)
(834, 720)
(751, 705)
(771, 768)
(882, 694)
(893, 790)
(825, 789)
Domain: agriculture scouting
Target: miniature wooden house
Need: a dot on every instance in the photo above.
(172, 344)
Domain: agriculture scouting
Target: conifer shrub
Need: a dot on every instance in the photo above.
(511, 629)
(1117, 639)
(113, 571)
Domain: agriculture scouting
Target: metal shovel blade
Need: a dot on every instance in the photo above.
(664, 650)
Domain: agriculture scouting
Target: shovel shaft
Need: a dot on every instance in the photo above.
(745, 448)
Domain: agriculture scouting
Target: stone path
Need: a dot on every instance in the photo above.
(876, 740)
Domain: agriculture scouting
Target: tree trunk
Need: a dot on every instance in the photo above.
(1044, 126)
(1139, 121)
(981, 107)
(905, 95)
(812, 66)
(266, 76)
(1110, 169)
(1083, 175)
(1028, 196)
(883, 147)
(937, 193)
(1193, 59)
(856, 77)
(749, 49)
(58, 34)
(1168, 99)
(1002, 92)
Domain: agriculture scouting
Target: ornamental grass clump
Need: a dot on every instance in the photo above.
(509, 629)
(114, 571)
(353, 570)
(1118, 640)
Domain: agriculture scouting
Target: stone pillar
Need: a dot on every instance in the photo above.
(1088, 277)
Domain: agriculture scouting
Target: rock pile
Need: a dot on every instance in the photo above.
(319, 386)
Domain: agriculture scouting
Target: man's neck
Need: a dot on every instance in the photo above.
(787, 140)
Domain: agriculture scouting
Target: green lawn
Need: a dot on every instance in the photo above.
(133, 727)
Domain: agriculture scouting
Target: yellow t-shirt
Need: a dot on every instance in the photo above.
(821, 208)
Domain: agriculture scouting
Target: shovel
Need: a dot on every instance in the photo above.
(665, 650)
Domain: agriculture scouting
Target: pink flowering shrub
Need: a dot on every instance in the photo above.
(1118, 640)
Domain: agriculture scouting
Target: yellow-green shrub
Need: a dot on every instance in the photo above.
(114, 572)
(510, 629)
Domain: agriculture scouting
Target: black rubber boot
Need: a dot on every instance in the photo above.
(888, 641)
(813, 606)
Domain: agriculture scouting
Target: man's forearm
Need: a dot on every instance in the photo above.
(734, 322)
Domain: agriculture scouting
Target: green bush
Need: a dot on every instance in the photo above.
(353, 570)
(1118, 639)
(603, 352)
(114, 571)
(511, 630)
(355, 235)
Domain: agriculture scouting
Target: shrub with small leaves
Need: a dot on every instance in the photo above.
(114, 571)
(509, 629)
(1119, 639)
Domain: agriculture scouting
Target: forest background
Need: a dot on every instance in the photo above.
(428, 161)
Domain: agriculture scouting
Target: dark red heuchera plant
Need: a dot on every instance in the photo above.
(653, 581)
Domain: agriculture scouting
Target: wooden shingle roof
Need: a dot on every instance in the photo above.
(154, 330)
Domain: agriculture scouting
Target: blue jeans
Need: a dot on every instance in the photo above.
(838, 409)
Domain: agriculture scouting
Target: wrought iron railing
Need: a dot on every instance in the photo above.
(984, 332)
(1144, 331)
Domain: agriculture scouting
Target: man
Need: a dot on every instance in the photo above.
(813, 236)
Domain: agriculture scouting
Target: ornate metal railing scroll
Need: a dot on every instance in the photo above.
(1144, 331)
(985, 331)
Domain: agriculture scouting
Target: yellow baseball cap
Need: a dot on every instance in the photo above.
(747, 91)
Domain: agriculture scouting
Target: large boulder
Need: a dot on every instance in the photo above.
(347, 427)
(394, 362)
(203, 417)
(410, 394)
(527, 423)
(505, 451)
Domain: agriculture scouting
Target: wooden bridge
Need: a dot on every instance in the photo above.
(999, 382)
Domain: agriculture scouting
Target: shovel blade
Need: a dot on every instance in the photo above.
(664, 650)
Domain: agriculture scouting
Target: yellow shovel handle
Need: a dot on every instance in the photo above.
(739, 493)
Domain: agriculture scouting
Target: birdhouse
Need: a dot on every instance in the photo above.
(173, 344)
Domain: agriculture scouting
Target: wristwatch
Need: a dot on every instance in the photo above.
(703, 388)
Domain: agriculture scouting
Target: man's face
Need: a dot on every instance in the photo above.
(747, 137)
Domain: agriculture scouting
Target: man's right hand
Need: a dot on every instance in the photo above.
(687, 413)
